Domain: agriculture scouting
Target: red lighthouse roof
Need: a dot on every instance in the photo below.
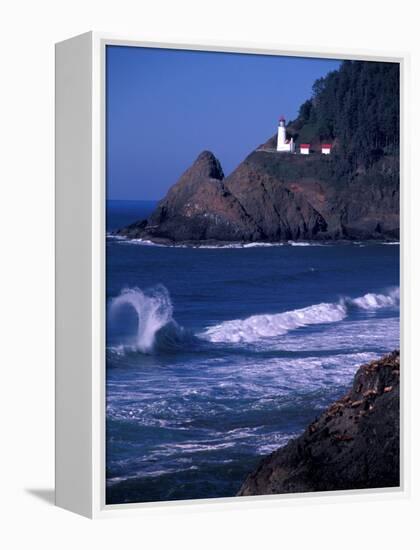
(326, 145)
(305, 145)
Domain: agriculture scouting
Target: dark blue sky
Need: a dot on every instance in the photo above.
(166, 106)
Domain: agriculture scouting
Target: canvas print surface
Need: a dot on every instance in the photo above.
(252, 275)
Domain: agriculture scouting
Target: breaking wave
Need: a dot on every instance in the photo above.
(265, 326)
(157, 331)
(156, 328)
(377, 301)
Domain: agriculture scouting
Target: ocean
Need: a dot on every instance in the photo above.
(218, 356)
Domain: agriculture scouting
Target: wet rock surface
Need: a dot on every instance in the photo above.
(354, 444)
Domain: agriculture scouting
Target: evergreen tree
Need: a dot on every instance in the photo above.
(356, 108)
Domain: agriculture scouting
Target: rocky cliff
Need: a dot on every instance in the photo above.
(351, 194)
(199, 207)
(274, 196)
(354, 444)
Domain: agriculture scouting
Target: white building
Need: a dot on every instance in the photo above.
(326, 148)
(304, 148)
(283, 144)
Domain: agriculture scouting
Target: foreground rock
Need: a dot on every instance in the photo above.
(355, 444)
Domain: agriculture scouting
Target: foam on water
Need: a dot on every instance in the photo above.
(154, 311)
(256, 327)
(378, 301)
(262, 326)
(158, 331)
(306, 243)
(244, 245)
(146, 242)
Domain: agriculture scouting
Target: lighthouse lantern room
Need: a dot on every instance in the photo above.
(283, 144)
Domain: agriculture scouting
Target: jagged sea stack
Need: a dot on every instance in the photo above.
(345, 188)
(197, 208)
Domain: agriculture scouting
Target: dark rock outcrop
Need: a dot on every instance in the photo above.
(351, 194)
(355, 444)
(274, 196)
(198, 207)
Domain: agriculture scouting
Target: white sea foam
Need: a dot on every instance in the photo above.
(256, 327)
(377, 301)
(154, 312)
(146, 242)
(115, 237)
(305, 243)
(258, 244)
(142, 242)
(153, 309)
(362, 333)
(235, 245)
(263, 326)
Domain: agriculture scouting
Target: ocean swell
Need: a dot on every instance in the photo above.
(158, 332)
(256, 327)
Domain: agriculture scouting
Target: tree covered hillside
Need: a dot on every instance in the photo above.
(357, 109)
(353, 193)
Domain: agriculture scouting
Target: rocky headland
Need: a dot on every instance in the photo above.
(354, 444)
(272, 197)
(351, 194)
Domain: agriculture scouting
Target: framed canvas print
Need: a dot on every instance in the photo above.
(228, 274)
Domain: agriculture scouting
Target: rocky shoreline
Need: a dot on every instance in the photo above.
(354, 444)
(273, 198)
(211, 243)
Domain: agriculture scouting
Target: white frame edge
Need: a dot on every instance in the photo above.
(73, 204)
(80, 278)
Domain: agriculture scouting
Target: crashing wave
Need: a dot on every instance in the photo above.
(157, 331)
(265, 326)
(156, 328)
(377, 301)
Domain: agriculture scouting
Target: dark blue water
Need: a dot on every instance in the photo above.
(216, 357)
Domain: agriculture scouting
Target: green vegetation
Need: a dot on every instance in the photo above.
(288, 168)
(356, 108)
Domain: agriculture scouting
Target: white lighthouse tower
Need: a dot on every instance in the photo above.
(283, 144)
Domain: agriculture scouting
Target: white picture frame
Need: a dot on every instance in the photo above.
(80, 274)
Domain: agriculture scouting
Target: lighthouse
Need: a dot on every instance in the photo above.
(283, 144)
